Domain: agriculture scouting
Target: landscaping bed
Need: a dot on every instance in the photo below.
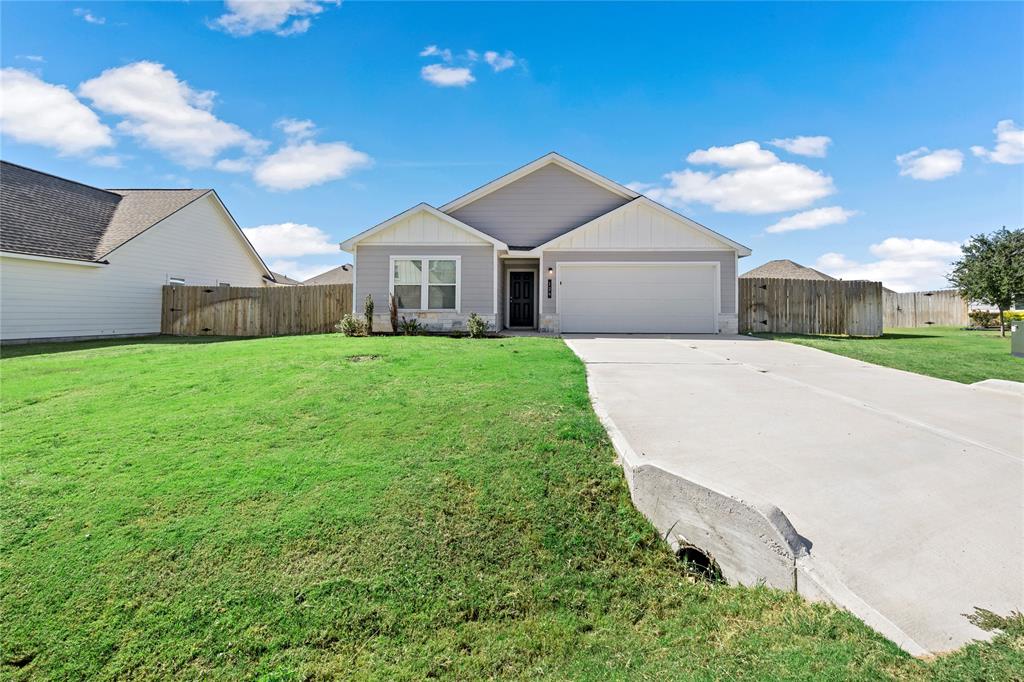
(382, 508)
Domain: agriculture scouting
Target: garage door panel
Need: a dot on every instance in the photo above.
(662, 298)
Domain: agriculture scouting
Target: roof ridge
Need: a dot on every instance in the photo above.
(58, 177)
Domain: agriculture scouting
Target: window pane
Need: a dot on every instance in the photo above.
(441, 297)
(408, 272)
(442, 272)
(407, 296)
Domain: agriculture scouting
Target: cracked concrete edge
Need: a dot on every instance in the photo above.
(812, 578)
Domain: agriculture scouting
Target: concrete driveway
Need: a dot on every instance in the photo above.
(901, 496)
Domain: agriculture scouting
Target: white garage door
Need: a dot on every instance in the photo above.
(638, 297)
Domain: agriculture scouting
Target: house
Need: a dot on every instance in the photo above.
(339, 275)
(551, 246)
(285, 280)
(81, 262)
(786, 269)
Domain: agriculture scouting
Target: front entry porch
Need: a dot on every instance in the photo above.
(520, 294)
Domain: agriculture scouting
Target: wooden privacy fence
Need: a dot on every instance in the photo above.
(253, 311)
(807, 306)
(924, 308)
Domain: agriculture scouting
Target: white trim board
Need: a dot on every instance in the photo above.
(53, 259)
(523, 171)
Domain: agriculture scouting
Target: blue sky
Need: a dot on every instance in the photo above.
(318, 120)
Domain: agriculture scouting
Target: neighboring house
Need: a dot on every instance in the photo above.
(550, 246)
(285, 279)
(339, 275)
(786, 269)
(81, 262)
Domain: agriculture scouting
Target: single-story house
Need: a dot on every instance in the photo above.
(81, 262)
(786, 269)
(551, 246)
(339, 275)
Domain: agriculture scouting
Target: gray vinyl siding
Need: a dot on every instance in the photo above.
(538, 207)
(373, 270)
(727, 259)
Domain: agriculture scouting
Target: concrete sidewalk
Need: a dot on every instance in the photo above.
(906, 492)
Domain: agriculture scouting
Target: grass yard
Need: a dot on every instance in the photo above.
(944, 352)
(388, 508)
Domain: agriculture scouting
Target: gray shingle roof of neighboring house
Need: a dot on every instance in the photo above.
(339, 275)
(44, 215)
(785, 269)
(284, 279)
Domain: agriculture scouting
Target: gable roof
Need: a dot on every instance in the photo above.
(454, 222)
(646, 201)
(523, 171)
(284, 279)
(786, 269)
(339, 275)
(50, 216)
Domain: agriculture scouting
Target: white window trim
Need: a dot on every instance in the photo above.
(424, 282)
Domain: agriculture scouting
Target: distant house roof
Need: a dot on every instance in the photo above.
(786, 269)
(44, 215)
(339, 275)
(284, 279)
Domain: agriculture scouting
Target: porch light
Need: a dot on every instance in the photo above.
(551, 272)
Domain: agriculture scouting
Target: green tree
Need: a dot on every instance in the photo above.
(991, 270)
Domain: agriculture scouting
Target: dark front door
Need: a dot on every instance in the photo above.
(520, 299)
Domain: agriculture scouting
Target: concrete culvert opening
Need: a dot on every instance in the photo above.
(699, 563)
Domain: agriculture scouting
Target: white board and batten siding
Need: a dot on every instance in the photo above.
(50, 300)
(421, 227)
(637, 226)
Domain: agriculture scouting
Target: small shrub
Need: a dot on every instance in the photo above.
(477, 326)
(351, 325)
(1013, 316)
(368, 313)
(410, 327)
(983, 318)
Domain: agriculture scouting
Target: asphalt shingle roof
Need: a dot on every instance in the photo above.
(44, 215)
(786, 269)
(339, 275)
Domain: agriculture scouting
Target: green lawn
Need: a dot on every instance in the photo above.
(943, 352)
(389, 508)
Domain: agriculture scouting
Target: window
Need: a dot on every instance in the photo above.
(175, 281)
(427, 283)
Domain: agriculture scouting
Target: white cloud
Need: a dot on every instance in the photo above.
(804, 145)
(301, 271)
(89, 17)
(500, 62)
(290, 240)
(241, 165)
(165, 113)
(298, 165)
(923, 164)
(904, 265)
(281, 17)
(37, 112)
(297, 129)
(106, 161)
(435, 51)
(39, 59)
(742, 155)
(813, 219)
(447, 76)
(1009, 147)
